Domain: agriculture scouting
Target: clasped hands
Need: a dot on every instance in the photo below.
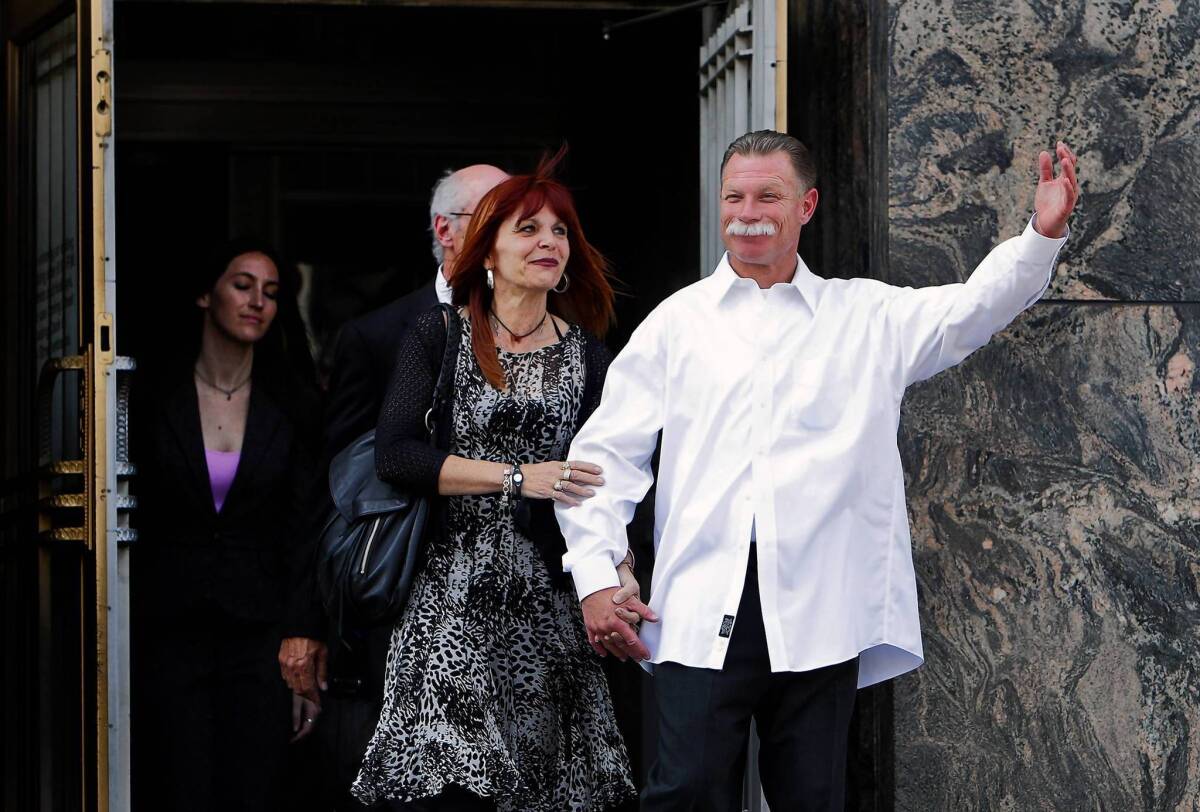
(611, 617)
(303, 662)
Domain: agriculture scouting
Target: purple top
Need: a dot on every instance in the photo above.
(222, 465)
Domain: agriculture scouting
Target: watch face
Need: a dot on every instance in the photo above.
(518, 477)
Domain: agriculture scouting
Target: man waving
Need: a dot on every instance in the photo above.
(783, 575)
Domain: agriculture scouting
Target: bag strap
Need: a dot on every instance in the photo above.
(443, 390)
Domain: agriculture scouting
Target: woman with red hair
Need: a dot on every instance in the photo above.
(492, 697)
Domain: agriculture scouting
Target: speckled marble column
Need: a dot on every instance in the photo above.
(978, 87)
(1055, 508)
(1054, 478)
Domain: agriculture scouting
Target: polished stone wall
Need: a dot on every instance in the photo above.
(1054, 478)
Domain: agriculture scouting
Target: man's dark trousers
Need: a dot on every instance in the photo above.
(704, 723)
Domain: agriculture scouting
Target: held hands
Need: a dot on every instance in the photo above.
(611, 617)
(630, 588)
(302, 662)
(577, 481)
(1056, 196)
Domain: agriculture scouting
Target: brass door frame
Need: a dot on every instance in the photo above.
(99, 489)
(105, 497)
(104, 491)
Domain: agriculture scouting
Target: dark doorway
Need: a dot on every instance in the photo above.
(324, 128)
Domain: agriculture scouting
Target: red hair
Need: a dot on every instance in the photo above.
(588, 300)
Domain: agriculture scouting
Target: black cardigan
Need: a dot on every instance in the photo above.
(403, 453)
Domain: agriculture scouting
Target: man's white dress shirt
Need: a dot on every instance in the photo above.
(779, 411)
(442, 287)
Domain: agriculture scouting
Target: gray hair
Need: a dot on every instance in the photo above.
(765, 142)
(448, 194)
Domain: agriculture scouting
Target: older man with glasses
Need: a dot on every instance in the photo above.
(367, 346)
(362, 367)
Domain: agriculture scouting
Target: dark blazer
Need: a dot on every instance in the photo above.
(362, 366)
(192, 562)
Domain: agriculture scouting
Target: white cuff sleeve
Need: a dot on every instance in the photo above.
(593, 574)
(1042, 251)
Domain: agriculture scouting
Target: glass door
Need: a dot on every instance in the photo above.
(63, 693)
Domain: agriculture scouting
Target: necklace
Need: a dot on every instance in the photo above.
(515, 336)
(228, 393)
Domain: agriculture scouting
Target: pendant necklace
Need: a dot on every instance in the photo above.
(228, 393)
(518, 337)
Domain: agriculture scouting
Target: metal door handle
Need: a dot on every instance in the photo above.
(52, 506)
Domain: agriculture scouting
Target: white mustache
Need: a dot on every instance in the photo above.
(737, 228)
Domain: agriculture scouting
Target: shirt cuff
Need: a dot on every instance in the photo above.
(593, 574)
(1041, 251)
(1038, 248)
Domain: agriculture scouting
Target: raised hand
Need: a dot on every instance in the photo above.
(1056, 196)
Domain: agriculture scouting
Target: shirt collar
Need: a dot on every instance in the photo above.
(804, 281)
(442, 287)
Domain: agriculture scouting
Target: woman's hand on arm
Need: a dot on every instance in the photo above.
(461, 477)
(578, 481)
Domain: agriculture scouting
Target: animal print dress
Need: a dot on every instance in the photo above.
(491, 684)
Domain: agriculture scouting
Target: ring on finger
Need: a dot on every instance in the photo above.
(566, 474)
(558, 484)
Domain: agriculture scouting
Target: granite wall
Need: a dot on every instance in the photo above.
(1054, 478)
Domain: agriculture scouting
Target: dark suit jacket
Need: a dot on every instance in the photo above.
(362, 366)
(192, 562)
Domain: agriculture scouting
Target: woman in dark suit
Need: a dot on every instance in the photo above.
(225, 467)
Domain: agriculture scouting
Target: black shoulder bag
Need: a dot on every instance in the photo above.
(370, 546)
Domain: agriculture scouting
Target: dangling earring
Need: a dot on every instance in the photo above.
(491, 279)
(564, 288)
